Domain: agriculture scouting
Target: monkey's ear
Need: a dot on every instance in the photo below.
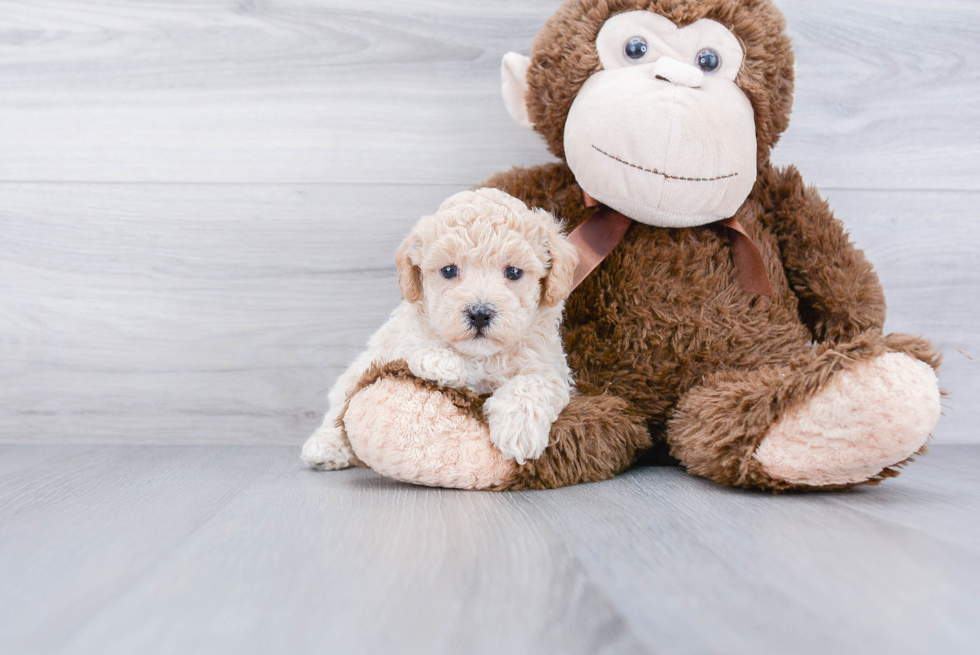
(513, 72)
(409, 274)
(561, 272)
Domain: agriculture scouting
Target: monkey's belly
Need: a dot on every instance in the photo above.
(665, 310)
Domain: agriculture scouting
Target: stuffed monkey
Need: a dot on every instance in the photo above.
(732, 327)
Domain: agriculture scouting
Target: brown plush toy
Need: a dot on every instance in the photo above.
(750, 350)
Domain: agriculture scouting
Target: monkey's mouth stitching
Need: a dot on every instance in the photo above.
(669, 177)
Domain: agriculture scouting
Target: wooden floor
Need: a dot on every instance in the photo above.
(217, 549)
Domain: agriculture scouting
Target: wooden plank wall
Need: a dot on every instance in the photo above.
(199, 201)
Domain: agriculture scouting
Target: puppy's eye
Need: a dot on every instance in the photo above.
(635, 48)
(449, 272)
(513, 273)
(708, 60)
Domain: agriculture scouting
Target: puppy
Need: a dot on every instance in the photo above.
(484, 282)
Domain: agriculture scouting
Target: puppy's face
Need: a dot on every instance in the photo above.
(483, 268)
(481, 294)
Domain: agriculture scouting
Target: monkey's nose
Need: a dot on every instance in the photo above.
(678, 73)
(480, 316)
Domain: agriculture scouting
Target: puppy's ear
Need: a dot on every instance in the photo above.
(409, 273)
(564, 259)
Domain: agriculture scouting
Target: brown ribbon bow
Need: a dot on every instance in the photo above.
(597, 236)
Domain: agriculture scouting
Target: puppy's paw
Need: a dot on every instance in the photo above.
(439, 365)
(328, 450)
(519, 432)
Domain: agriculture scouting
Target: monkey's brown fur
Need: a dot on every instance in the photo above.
(577, 449)
(660, 335)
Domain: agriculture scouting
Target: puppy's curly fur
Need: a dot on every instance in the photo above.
(484, 282)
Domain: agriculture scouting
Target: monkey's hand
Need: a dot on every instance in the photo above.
(440, 365)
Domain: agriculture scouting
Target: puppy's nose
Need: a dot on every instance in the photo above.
(480, 316)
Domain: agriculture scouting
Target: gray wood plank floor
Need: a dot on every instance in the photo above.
(183, 549)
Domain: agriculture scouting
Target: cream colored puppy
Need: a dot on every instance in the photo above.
(484, 282)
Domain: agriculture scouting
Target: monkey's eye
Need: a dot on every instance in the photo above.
(513, 273)
(449, 272)
(708, 60)
(636, 48)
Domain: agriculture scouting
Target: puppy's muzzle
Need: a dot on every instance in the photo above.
(479, 317)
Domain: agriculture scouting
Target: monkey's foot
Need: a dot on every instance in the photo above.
(404, 429)
(866, 419)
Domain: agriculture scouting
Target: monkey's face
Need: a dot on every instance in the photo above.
(663, 133)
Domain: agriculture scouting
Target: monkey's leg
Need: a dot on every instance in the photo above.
(595, 438)
(836, 417)
(414, 431)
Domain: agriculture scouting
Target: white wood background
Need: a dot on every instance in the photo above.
(200, 200)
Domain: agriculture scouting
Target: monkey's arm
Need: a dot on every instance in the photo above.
(839, 292)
